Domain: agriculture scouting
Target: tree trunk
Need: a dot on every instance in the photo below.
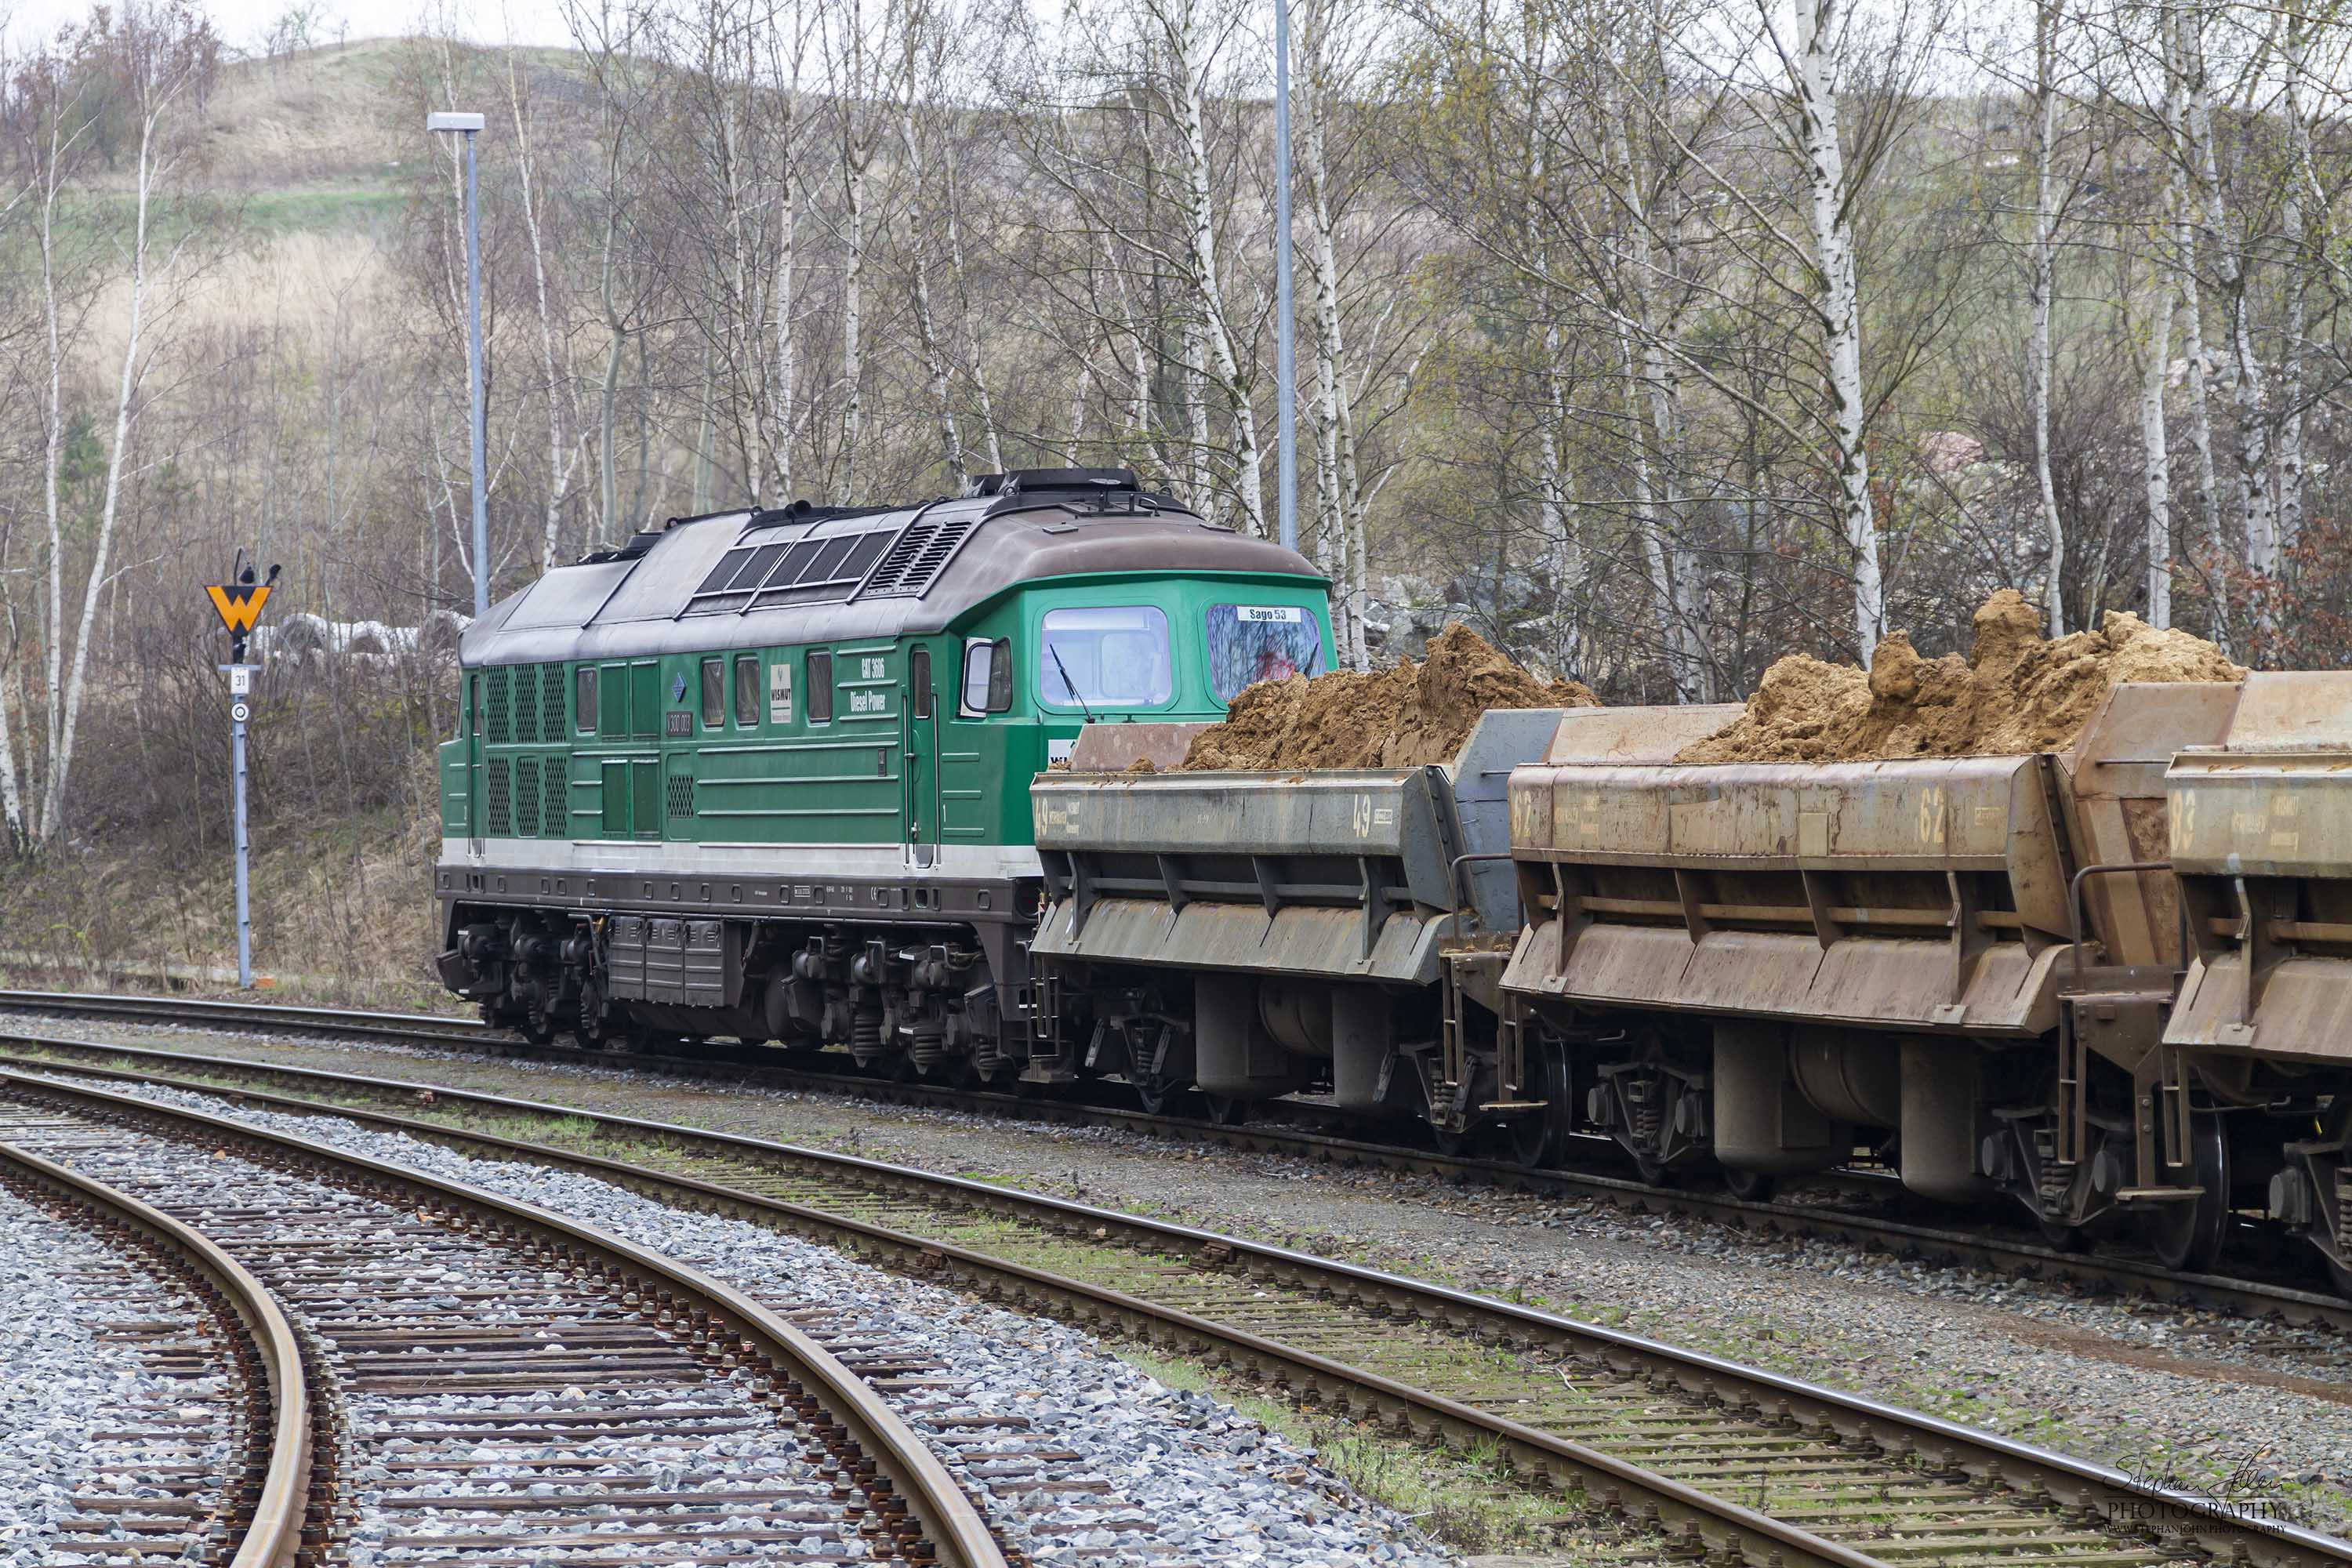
(558, 463)
(1188, 72)
(1555, 523)
(2040, 285)
(1652, 387)
(2230, 265)
(1337, 485)
(2154, 459)
(53, 809)
(927, 333)
(1840, 309)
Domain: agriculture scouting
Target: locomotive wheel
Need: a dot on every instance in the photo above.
(591, 1023)
(2340, 1275)
(2190, 1236)
(1749, 1186)
(539, 1020)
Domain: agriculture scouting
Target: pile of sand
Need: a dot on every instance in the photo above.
(2015, 692)
(1396, 717)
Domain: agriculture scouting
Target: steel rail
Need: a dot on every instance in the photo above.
(948, 1519)
(2031, 1260)
(276, 1531)
(2219, 1527)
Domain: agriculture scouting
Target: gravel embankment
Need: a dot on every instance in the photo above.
(2163, 1390)
(1203, 1482)
(62, 1384)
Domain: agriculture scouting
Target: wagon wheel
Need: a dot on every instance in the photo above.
(1539, 1140)
(2059, 1236)
(1749, 1186)
(2190, 1236)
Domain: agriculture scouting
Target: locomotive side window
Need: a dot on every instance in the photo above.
(584, 711)
(645, 699)
(820, 688)
(747, 691)
(714, 694)
(613, 701)
(918, 676)
(987, 677)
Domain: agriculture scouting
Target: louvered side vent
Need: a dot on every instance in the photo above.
(501, 706)
(525, 797)
(498, 785)
(918, 558)
(526, 703)
(551, 704)
(681, 797)
(555, 807)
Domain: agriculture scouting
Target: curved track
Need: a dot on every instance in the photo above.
(1726, 1459)
(2285, 1297)
(469, 1333)
(256, 1513)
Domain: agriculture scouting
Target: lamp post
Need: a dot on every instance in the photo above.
(1286, 366)
(468, 126)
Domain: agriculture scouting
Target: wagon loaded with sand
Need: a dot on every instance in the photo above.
(1266, 905)
(1932, 914)
(2065, 920)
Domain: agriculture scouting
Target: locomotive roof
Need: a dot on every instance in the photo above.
(919, 568)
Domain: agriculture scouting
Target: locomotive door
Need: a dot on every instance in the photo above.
(923, 771)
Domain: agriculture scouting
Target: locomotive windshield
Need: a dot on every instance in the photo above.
(1250, 643)
(1097, 659)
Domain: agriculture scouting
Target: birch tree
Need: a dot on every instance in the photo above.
(1812, 45)
(159, 58)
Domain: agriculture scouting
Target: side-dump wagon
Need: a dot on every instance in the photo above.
(1964, 964)
(1255, 933)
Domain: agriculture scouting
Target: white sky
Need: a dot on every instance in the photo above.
(244, 24)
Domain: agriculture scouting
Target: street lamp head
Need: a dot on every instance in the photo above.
(447, 120)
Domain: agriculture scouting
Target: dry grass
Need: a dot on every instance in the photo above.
(342, 912)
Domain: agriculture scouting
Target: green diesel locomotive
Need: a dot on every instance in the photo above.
(765, 773)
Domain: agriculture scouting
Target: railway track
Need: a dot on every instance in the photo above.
(1715, 1461)
(501, 1383)
(219, 1472)
(2282, 1297)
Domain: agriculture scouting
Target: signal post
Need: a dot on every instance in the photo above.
(238, 603)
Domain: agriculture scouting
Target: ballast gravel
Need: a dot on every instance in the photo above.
(62, 1386)
(1216, 1486)
(2260, 1411)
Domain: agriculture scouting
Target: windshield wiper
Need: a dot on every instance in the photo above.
(1069, 685)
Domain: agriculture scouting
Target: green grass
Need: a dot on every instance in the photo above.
(327, 208)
